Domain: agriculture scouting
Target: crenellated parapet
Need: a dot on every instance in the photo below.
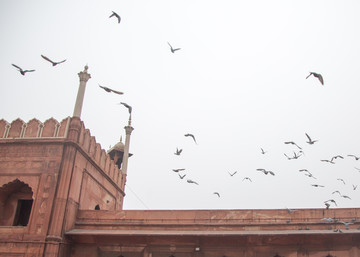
(51, 128)
(69, 129)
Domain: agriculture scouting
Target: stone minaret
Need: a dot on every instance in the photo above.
(128, 130)
(84, 77)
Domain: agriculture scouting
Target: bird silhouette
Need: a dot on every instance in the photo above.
(310, 142)
(292, 143)
(191, 135)
(262, 151)
(114, 14)
(337, 156)
(317, 75)
(329, 161)
(291, 210)
(177, 170)
(247, 178)
(331, 200)
(182, 176)
(296, 156)
(109, 90)
(354, 187)
(345, 196)
(336, 192)
(328, 219)
(21, 70)
(316, 185)
(173, 49)
(266, 171)
(346, 223)
(178, 151)
(216, 193)
(192, 182)
(52, 62)
(310, 175)
(232, 174)
(340, 179)
(356, 157)
(127, 106)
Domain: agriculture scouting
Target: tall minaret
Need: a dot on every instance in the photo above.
(128, 130)
(84, 77)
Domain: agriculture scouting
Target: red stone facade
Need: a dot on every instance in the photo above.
(62, 195)
(59, 167)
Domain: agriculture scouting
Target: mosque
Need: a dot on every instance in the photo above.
(62, 195)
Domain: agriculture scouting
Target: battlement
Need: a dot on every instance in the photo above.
(51, 128)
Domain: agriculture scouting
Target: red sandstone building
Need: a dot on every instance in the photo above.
(62, 195)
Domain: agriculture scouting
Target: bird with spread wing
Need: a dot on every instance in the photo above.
(52, 62)
(23, 72)
(109, 90)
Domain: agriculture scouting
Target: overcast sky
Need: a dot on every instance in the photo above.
(238, 84)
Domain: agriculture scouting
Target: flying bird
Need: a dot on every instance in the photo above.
(337, 191)
(109, 90)
(292, 143)
(173, 49)
(191, 135)
(191, 182)
(354, 187)
(345, 196)
(356, 157)
(316, 185)
(317, 75)
(52, 62)
(331, 200)
(178, 151)
(305, 170)
(329, 161)
(232, 174)
(328, 219)
(114, 14)
(127, 106)
(182, 176)
(340, 179)
(310, 142)
(337, 156)
(216, 193)
(296, 156)
(21, 70)
(247, 178)
(310, 175)
(290, 210)
(346, 223)
(177, 170)
(262, 151)
(266, 171)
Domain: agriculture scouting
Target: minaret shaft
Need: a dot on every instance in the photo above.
(84, 77)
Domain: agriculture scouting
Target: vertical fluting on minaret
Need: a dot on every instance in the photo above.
(128, 130)
(84, 77)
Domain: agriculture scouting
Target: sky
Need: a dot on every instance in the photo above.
(238, 84)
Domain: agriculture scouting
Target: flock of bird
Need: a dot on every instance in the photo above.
(295, 155)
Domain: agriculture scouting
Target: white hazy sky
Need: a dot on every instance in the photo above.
(238, 84)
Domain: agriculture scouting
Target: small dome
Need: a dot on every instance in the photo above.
(118, 147)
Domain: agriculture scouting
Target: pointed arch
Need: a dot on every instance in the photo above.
(16, 200)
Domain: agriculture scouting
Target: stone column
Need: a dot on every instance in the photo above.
(128, 130)
(84, 77)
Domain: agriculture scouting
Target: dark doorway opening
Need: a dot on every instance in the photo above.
(23, 211)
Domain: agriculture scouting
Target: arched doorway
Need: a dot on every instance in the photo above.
(15, 203)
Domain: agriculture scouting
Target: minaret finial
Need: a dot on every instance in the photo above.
(84, 77)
